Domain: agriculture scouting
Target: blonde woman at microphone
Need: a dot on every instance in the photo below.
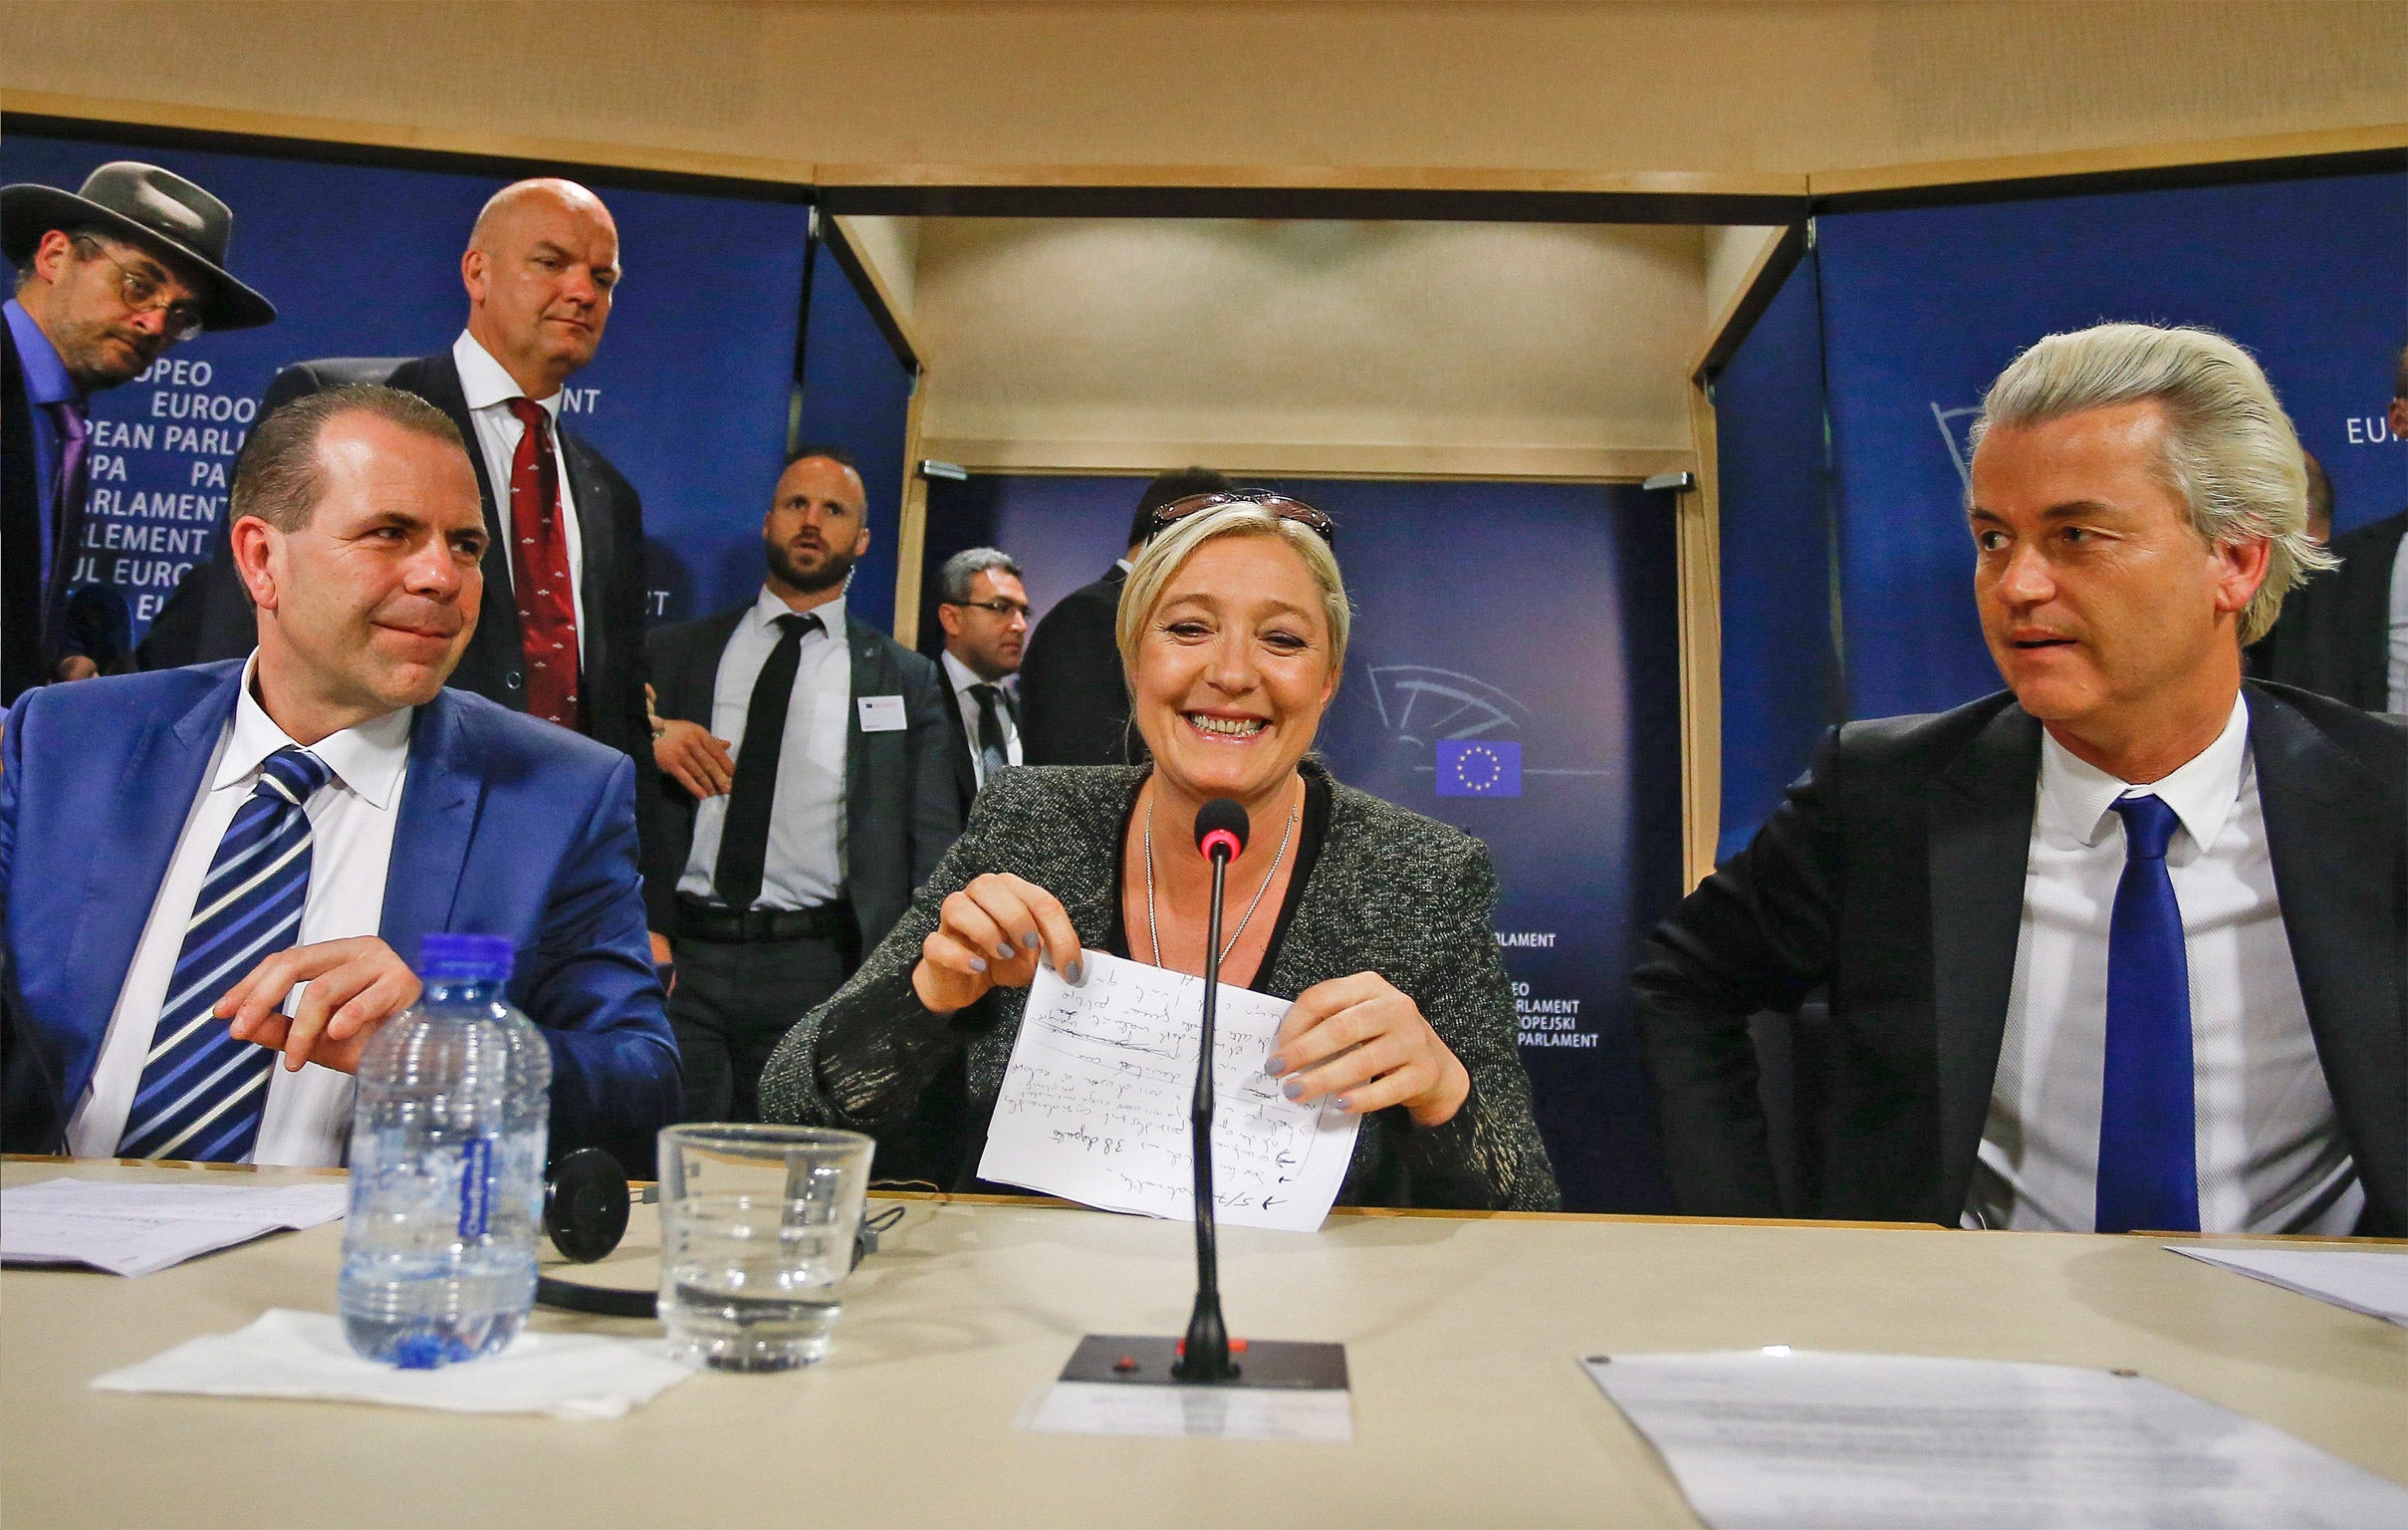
(1375, 920)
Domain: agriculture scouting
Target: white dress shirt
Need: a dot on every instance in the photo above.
(489, 390)
(804, 863)
(2398, 670)
(962, 677)
(2270, 1155)
(308, 1118)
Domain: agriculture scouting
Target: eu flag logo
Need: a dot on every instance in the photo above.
(1479, 767)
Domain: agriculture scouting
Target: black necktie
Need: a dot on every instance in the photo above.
(993, 753)
(744, 834)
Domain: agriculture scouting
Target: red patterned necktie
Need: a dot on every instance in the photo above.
(538, 566)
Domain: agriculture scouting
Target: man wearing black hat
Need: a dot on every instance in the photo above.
(106, 280)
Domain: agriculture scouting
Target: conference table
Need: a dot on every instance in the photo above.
(1463, 1334)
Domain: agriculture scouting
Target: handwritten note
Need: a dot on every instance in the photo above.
(1095, 1105)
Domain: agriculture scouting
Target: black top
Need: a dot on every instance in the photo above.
(1073, 700)
(2334, 638)
(1313, 828)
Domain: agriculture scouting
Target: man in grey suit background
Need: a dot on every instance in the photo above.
(2123, 947)
(805, 789)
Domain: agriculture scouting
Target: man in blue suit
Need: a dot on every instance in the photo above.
(210, 871)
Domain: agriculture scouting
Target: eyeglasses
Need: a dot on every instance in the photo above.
(145, 294)
(1000, 607)
(1276, 504)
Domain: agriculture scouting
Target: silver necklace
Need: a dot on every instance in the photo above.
(1154, 936)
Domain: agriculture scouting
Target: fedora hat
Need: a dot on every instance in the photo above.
(145, 205)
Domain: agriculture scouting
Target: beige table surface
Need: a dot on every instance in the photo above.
(1463, 1334)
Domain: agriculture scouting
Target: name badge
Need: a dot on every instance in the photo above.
(882, 715)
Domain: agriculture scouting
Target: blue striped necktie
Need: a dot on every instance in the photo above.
(2148, 1173)
(202, 1091)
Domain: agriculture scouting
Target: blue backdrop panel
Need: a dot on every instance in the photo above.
(687, 396)
(1780, 676)
(1922, 308)
(857, 394)
(1528, 626)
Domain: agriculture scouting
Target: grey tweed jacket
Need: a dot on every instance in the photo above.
(1392, 892)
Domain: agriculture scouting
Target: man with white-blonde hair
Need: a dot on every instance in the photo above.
(2121, 947)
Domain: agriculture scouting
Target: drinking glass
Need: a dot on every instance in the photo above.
(757, 1226)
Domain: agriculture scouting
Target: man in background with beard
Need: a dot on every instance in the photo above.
(805, 789)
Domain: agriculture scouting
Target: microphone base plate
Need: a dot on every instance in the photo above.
(1146, 1360)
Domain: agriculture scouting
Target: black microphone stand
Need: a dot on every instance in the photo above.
(1205, 1357)
(1202, 1359)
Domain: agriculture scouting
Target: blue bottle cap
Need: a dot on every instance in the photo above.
(450, 958)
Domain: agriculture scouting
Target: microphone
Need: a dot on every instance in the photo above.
(1202, 1359)
(1221, 828)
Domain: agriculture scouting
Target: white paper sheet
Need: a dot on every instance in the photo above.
(1197, 1412)
(136, 1229)
(287, 1354)
(2361, 1280)
(1094, 1103)
(1773, 1439)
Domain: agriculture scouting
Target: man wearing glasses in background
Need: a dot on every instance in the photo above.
(106, 280)
(985, 614)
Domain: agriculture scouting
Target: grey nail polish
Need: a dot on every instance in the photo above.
(1029, 939)
(978, 963)
(1342, 1105)
(1071, 973)
(1292, 1088)
(1002, 954)
(1274, 1066)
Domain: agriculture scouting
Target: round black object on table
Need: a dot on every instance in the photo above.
(585, 1204)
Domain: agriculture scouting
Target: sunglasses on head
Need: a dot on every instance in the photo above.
(1276, 504)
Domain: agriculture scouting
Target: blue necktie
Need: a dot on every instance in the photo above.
(202, 1091)
(2148, 1172)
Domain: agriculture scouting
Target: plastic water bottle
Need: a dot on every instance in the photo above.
(447, 1166)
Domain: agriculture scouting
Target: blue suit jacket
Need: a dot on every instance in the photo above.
(508, 826)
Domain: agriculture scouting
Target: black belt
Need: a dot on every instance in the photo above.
(698, 920)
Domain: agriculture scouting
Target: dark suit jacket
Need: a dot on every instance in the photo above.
(1894, 873)
(20, 531)
(32, 1116)
(901, 808)
(95, 622)
(1073, 700)
(2334, 638)
(507, 827)
(209, 616)
(965, 768)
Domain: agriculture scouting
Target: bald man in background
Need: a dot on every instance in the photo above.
(561, 637)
